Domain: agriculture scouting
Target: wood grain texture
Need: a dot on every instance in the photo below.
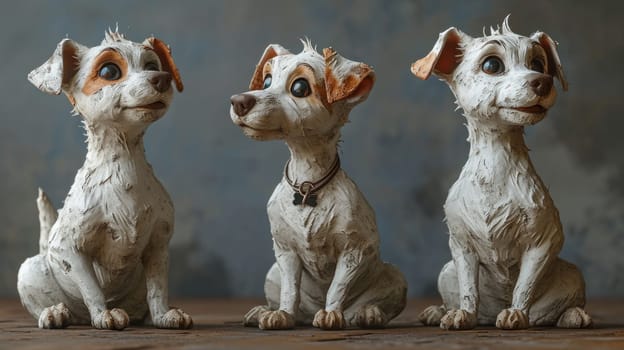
(218, 326)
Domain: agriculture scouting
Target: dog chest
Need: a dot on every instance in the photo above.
(112, 213)
(341, 220)
(297, 225)
(340, 208)
(315, 248)
(499, 218)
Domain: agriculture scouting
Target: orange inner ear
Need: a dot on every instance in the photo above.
(448, 56)
(94, 82)
(164, 54)
(71, 64)
(351, 85)
(364, 87)
(423, 67)
(257, 80)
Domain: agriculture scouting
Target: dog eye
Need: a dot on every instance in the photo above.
(300, 88)
(152, 66)
(493, 65)
(537, 65)
(110, 71)
(267, 81)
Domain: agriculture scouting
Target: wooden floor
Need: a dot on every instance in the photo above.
(217, 326)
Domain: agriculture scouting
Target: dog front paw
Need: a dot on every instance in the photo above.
(432, 315)
(574, 317)
(458, 319)
(115, 319)
(512, 319)
(56, 316)
(174, 319)
(252, 316)
(371, 316)
(329, 320)
(278, 319)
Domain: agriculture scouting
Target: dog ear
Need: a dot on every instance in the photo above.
(57, 72)
(257, 80)
(345, 79)
(554, 64)
(164, 54)
(443, 58)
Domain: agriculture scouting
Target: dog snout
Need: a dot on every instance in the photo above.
(541, 84)
(161, 81)
(242, 103)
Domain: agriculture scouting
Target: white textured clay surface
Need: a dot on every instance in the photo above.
(328, 271)
(103, 257)
(505, 232)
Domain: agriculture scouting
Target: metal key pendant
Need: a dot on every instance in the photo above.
(309, 200)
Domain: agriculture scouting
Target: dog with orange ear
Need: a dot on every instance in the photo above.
(328, 270)
(505, 231)
(103, 258)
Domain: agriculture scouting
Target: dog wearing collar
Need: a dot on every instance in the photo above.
(505, 231)
(328, 271)
(103, 257)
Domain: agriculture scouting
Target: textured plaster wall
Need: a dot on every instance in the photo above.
(404, 147)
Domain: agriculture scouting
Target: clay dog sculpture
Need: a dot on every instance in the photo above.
(103, 258)
(505, 231)
(328, 270)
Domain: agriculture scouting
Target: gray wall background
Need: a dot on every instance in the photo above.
(404, 147)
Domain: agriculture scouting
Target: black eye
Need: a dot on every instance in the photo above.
(537, 65)
(300, 88)
(110, 71)
(267, 81)
(493, 65)
(152, 66)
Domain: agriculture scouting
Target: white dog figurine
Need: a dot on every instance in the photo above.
(505, 232)
(328, 270)
(104, 259)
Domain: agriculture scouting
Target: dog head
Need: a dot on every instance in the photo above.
(502, 77)
(119, 82)
(300, 95)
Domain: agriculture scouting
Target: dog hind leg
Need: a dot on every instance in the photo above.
(562, 300)
(135, 302)
(312, 298)
(493, 297)
(432, 315)
(43, 297)
(449, 289)
(382, 301)
(272, 294)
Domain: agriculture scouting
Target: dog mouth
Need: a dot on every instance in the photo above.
(245, 126)
(535, 109)
(251, 128)
(153, 106)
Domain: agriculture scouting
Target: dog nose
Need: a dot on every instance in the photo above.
(541, 85)
(161, 81)
(242, 103)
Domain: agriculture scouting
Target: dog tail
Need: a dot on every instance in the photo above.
(47, 218)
